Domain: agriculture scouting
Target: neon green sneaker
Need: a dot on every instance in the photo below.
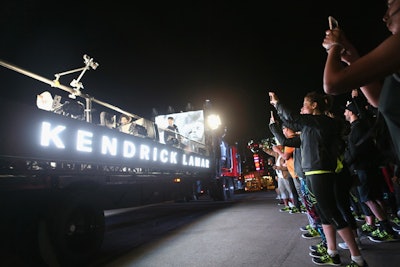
(285, 209)
(380, 236)
(311, 234)
(320, 247)
(328, 260)
(367, 229)
(354, 264)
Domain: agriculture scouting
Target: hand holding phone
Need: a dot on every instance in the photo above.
(333, 23)
(272, 118)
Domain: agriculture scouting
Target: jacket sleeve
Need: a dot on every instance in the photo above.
(276, 130)
(292, 120)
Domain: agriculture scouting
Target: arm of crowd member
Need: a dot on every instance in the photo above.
(276, 130)
(364, 72)
(270, 152)
(281, 150)
(285, 114)
(288, 152)
(278, 149)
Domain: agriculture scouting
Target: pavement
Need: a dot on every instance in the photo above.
(251, 233)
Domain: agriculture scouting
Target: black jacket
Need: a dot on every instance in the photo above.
(361, 152)
(319, 136)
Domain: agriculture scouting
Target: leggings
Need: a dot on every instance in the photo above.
(323, 187)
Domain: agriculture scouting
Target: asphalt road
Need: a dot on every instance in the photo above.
(248, 231)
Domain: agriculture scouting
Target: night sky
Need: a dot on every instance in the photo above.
(155, 54)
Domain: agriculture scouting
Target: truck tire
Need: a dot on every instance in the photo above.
(227, 188)
(76, 229)
(230, 188)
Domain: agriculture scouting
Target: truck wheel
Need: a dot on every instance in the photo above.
(230, 188)
(76, 228)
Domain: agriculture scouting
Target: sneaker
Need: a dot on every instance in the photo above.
(396, 227)
(285, 209)
(328, 260)
(316, 254)
(294, 210)
(303, 209)
(360, 218)
(354, 264)
(311, 234)
(345, 246)
(320, 247)
(380, 236)
(395, 221)
(306, 228)
(367, 229)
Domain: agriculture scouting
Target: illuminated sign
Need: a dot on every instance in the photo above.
(256, 161)
(61, 137)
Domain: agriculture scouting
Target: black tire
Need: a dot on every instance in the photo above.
(76, 228)
(230, 188)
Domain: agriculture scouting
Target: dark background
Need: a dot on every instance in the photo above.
(155, 54)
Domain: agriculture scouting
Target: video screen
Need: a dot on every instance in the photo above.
(190, 125)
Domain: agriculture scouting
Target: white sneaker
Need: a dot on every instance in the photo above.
(345, 246)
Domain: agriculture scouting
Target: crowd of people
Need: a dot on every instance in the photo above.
(342, 171)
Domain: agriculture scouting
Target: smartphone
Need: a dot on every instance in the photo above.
(333, 23)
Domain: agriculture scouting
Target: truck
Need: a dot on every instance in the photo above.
(66, 159)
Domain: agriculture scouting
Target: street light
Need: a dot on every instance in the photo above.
(213, 121)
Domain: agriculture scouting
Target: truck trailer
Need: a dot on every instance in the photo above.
(61, 168)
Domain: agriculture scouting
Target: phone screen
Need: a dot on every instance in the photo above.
(333, 23)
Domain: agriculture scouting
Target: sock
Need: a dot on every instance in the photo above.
(332, 253)
(358, 259)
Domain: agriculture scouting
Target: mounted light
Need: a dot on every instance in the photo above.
(213, 121)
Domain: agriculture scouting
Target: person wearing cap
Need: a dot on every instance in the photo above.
(361, 155)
